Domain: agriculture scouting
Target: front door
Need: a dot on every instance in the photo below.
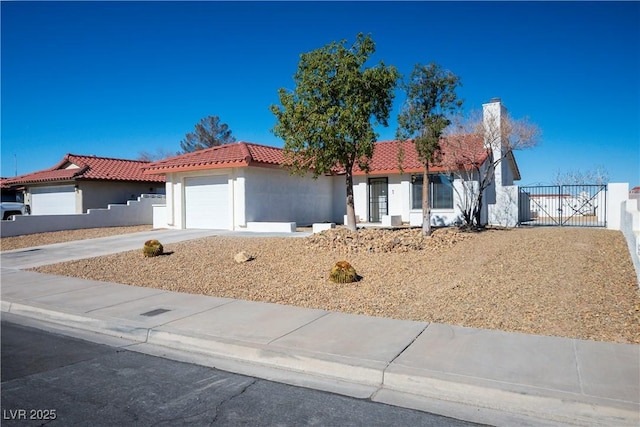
(378, 198)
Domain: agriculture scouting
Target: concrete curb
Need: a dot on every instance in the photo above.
(564, 408)
(78, 321)
(328, 366)
(389, 382)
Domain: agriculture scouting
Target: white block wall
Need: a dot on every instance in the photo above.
(137, 212)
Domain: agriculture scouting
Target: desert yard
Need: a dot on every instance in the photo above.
(570, 282)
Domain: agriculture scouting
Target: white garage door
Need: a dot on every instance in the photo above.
(53, 200)
(207, 202)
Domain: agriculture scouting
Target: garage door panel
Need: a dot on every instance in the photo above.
(57, 200)
(207, 202)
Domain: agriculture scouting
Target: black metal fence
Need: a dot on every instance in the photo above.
(563, 205)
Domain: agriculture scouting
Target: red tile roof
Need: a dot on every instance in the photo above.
(3, 183)
(463, 150)
(237, 154)
(384, 160)
(89, 168)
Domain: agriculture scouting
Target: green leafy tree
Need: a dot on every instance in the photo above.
(431, 99)
(209, 132)
(326, 122)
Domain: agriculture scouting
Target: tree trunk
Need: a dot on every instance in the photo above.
(351, 210)
(478, 211)
(426, 206)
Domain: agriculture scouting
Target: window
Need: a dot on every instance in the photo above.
(440, 191)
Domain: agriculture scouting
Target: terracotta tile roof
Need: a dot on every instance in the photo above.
(464, 147)
(3, 183)
(384, 160)
(79, 167)
(237, 154)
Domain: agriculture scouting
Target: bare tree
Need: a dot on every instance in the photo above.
(598, 176)
(476, 146)
(154, 156)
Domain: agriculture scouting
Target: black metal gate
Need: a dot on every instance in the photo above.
(563, 205)
(378, 199)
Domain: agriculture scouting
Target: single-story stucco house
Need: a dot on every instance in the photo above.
(229, 186)
(79, 183)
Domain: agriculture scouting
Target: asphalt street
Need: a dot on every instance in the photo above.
(52, 379)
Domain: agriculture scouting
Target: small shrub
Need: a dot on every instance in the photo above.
(152, 248)
(343, 272)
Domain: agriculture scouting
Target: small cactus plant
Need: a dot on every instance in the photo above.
(343, 272)
(152, 248)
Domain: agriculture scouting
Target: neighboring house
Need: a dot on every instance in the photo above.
(78, 183)
(10, 194)
(226, 187)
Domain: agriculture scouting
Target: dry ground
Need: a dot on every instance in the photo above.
(29, 240)
(571, 282)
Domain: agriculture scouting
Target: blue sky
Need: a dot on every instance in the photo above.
(117, 78)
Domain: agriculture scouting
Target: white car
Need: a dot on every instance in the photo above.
(9, 209)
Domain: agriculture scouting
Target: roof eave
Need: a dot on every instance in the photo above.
(116, 179)
(514, 166)
(192, 168)
(47, 181)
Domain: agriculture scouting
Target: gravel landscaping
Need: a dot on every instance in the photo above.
(37, 239)
(570, 282)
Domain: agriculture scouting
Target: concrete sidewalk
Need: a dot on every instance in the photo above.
(478, 375)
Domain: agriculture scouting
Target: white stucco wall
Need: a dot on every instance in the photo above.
(273, 195)
(98, 194)
(397, 195)
(257, 194)
(339, 199)
(504, 212)
(238, 196)
(630, 227)
(493, 115)
(171, 215)
(400, 196)
(617, 193)
(137, 212)
(360, 199)
(623, 213)
(501, 197)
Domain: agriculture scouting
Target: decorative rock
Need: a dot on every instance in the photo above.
(380, 240)
(241, 257)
